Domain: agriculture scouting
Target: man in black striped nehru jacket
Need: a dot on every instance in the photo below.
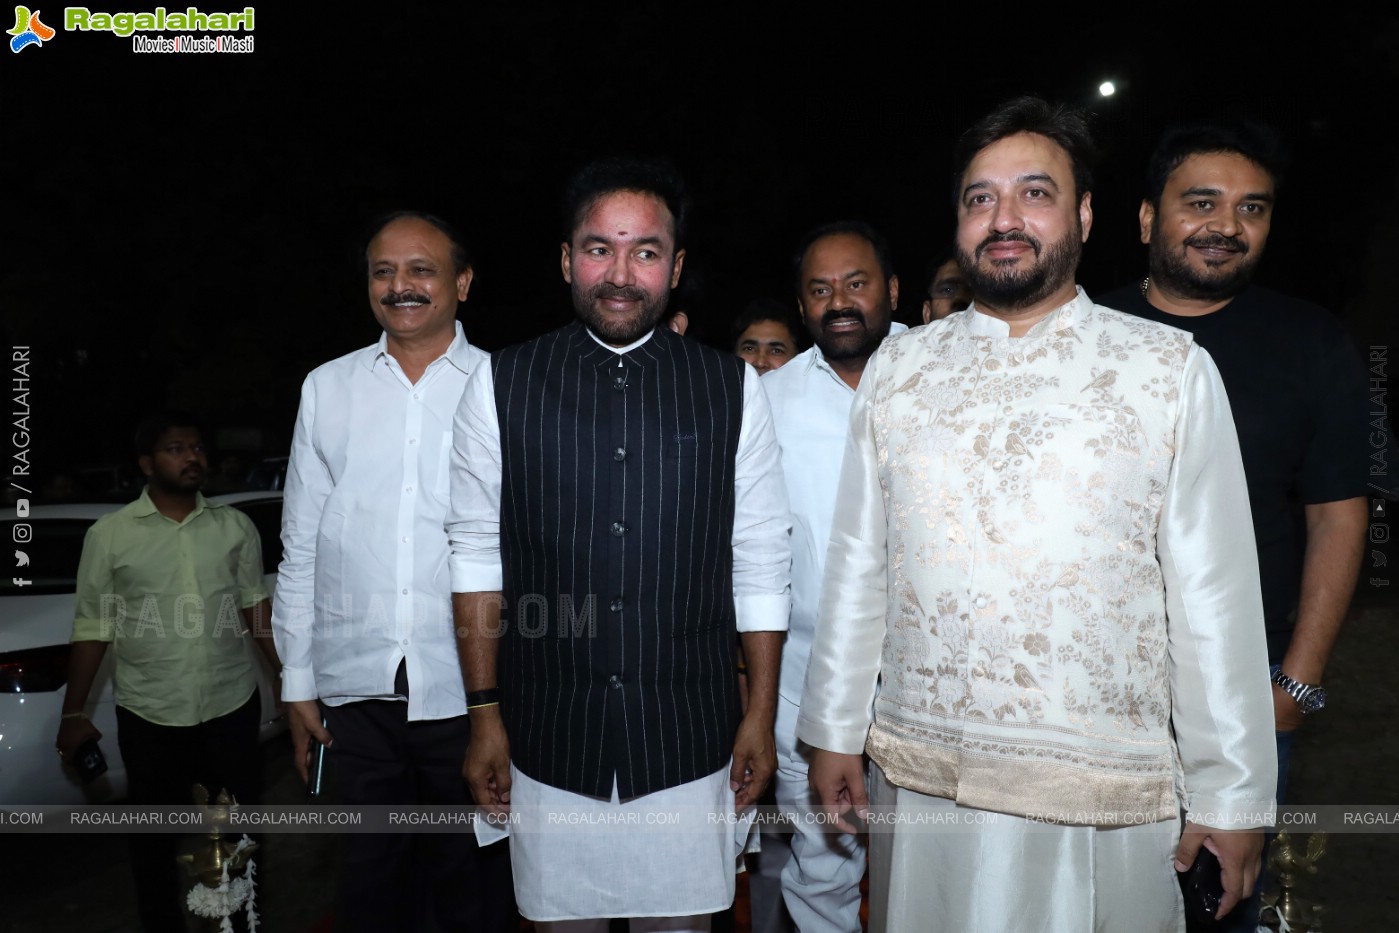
(618, 512)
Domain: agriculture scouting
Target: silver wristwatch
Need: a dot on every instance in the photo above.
(1309, 697)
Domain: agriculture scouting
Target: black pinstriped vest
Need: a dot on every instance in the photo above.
(617, 510)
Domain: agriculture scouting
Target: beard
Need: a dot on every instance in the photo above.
(855, 345)
(186, 481)
(1171, 270)
(1013, 287)
(617, 329)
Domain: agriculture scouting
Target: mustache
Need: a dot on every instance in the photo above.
(607, 290)
(1010, 236)
(1218, 241)
(393, 298)
(841, 314)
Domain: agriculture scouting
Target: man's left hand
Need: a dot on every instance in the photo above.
(1239, 852)
(755, 760)
(1287, 715)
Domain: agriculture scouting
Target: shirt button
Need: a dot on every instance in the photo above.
(412, 440)
(405, 643)
(619, 383)
(619, 454)
(998, 465)
(615, 605)
(405, 591)
(408, 489)
(405, 539)
(614, 682)
(979, 602)
(619, 529)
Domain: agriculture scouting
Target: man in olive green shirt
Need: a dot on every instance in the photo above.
(172, 581)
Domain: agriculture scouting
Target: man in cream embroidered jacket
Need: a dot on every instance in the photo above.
(1028, 665)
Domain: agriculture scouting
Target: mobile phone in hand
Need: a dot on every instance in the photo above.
(315, 779)
(1202, 885)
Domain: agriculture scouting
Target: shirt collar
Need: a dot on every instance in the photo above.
(144, 507)
(458, 352)
(620, 350)
(979, 324)
(815, 359)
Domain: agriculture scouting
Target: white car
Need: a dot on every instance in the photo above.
(36, 623)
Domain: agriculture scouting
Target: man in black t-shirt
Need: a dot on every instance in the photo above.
(1297, 389)
(1296, 385)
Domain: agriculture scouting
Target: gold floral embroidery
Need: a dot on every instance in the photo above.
(1024, 483)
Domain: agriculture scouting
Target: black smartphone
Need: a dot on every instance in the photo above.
(89, 761)
(1202, 884)
(315, 779)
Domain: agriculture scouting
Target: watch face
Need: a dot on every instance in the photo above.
(1313, 701)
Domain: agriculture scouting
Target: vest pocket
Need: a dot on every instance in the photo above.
(681, 447)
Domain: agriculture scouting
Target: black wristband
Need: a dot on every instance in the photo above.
(483, 697)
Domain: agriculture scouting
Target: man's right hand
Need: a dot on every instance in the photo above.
(838, 781)
(72, 733)
(487, 765)
(304, 717)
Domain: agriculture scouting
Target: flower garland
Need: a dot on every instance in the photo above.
(230, 896)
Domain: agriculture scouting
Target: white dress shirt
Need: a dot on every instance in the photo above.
(811, 413)
(363, 582)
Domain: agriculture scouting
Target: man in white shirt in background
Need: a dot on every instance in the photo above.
(362, 612)
(847, 292)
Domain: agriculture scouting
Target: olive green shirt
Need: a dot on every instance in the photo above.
(169, 596)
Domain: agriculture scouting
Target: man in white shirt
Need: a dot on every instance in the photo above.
(362, 613)
(617, 514)
(1042, 578)
(847, 292)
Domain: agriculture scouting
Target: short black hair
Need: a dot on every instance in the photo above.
(461, 257)
(604, 176)
(767, 309)
(848, 228)
(1257, 142)
(934, 267)
(1067, 126)
(153, 427)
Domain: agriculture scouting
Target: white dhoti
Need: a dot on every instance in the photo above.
(671, 853)
(935, 866)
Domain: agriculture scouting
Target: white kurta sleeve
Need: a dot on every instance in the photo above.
(762, 547)
(845, 654)
(308, 486)
(1221, 700)
(473, 519)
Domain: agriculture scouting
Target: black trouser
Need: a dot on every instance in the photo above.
(163, 763)
(411, 882)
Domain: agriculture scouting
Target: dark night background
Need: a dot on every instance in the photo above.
(185, 229)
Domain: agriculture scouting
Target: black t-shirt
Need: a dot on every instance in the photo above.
(1298, 391)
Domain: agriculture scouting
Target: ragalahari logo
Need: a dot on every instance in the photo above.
(29, 30)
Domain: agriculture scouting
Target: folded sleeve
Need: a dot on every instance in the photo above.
(762, 547)
(251, 590)
(96, 607)
(473, 518)
(308, 487)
